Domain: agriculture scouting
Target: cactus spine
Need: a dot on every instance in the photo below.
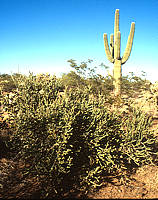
(113, 54)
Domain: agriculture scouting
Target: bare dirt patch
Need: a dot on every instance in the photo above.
(143, 185)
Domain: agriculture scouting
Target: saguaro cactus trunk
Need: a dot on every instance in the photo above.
(113, 53)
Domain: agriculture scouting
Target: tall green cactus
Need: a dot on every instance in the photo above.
(113, 54)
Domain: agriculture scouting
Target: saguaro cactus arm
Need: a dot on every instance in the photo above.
(107, 50)
(129, 44)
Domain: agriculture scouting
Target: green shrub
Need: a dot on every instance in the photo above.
(132, 84)
(7, 83)
(72, 80)
(85, 75)
(139, 145)
(70, 137)
(62, 133)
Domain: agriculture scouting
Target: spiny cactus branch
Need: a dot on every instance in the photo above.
(107, 50)
(129, 44)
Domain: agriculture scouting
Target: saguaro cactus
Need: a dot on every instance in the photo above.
(113, 54)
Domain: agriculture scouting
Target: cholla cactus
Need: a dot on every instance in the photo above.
(113, 54)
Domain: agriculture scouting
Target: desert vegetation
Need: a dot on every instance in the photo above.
(71, 134)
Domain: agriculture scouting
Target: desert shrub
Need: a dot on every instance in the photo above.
(69, 138)
(7, 83)
(139, 144)
(72, 80)
(133, 84)
(85, 75)
(61, 134)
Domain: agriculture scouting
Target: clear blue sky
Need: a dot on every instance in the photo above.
(41, 35)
